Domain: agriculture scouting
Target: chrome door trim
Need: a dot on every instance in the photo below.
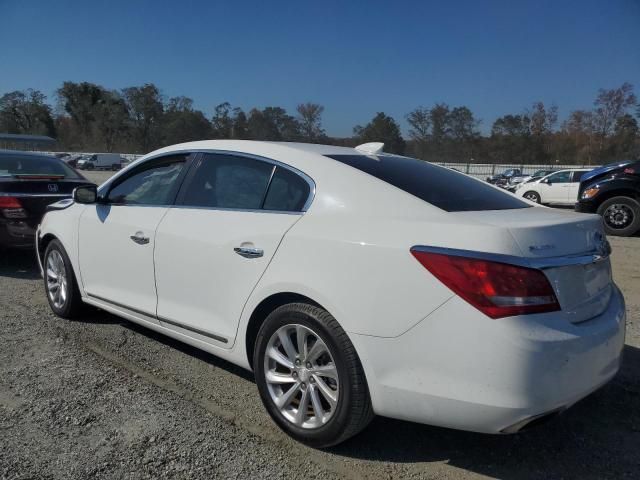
(194, 330)
(539, 263)
(161, 319)
(121, 305)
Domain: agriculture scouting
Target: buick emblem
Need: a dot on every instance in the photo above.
(52, 187)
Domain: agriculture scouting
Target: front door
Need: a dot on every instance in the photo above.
(213, 247)
(555, 188)
(117, 235)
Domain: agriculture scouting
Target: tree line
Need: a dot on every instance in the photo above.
(90, 117)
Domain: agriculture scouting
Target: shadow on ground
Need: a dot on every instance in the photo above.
(19, 263)
(596, 438)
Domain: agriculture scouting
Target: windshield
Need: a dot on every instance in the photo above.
(441, 187)
(31, 165)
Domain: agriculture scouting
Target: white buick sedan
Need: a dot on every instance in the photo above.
(352, 282)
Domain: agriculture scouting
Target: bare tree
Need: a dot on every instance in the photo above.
(610, 106)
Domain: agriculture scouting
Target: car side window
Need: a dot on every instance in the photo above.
(560, 177)
(577, 176)
(228, 181)
(155, 183)
(288, 192)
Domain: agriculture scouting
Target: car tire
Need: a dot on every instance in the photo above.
(115, 167)
(532, 196)
(621, 216)
(328, 418)
(65, 300)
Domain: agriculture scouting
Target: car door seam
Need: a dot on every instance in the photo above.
(275, 252)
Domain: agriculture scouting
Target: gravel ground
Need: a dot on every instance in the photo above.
(105, 398)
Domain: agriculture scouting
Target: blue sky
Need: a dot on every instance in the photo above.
(355, 58)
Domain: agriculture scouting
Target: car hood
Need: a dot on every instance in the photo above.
(605, 169)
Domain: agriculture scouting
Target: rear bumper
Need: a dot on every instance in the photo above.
(459, 369)
(18, 233)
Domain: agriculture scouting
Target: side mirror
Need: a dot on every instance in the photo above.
(85, 194)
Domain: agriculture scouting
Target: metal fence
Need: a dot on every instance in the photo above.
(484, 170)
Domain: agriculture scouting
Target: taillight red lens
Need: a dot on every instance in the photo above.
(9, 202)
(496, 289)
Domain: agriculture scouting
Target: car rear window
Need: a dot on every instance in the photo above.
(16, 165)
(444, 188)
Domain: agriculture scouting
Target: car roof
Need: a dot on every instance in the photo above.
(21, 153)
(251, 145)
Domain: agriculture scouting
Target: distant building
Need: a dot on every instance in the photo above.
(26, 142)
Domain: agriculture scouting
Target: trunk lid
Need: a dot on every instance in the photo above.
(571, 249)
(36, 192)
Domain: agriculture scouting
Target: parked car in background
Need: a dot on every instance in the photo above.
(501, 179)
(72, 160)
(28, 183)
(613, 191)
(557, 188)
(516, 180)
(100, 161)
(352, 282)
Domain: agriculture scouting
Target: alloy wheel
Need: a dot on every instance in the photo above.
(56, 279)
(301, 376)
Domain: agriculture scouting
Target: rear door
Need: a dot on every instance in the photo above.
(117, 236)
(212, 248)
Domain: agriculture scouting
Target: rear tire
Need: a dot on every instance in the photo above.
(621, 216)
(331, 386)
(532, 196)
(60, 282)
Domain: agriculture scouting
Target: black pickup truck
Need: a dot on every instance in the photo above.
(613, 191)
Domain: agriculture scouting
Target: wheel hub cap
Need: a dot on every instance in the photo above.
(618, 216)
(301, 376)
(56, 279)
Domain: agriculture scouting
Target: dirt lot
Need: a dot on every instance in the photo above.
(105, 398)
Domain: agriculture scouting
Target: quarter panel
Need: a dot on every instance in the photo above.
(360, 267)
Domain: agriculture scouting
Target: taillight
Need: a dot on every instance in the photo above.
(11, 207)
(496, 289)
(9, 202)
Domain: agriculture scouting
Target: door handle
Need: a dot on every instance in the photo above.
(249, 252)
(139, 238)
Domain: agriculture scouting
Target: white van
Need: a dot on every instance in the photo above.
(101, 161)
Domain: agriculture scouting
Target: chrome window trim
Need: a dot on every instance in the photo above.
(244, 210)
(306, 178)
(539, 263)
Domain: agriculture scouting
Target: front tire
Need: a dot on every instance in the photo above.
(621, 216)
(532, 196)
(309, 376)
(60, 283)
